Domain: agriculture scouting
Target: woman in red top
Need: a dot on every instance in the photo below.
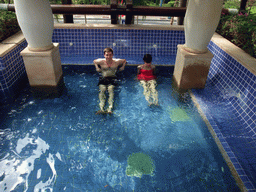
(147, 78)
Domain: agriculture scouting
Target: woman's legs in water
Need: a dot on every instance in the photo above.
(150, 91)
(153, 92)
(146, 91)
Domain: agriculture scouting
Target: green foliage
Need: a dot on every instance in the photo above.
(140, 2)
(253, 10)
(166, 3)
(55, 1)
(235, 4)
(94, 2)
(239, 29)
(169, 4)
(86, 2)
(7, 1)
(8, 24)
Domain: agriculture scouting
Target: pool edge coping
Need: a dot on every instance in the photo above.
(118, 26)
(223, 152)
(11, 43)
(234, 51)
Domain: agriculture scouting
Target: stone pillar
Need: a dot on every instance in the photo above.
(44, 71)
(41, 57)
(193, 58)
(191, 69)
(36, 22)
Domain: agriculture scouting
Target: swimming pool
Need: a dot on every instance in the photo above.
(61, 145)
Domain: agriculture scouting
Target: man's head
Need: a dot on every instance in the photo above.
(108, 49)
(108, 53)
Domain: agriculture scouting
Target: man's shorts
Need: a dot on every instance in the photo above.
(108, 81)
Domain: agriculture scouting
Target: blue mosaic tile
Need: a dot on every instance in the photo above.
(124, 41)
(233, 159)
(231, 155)
(250, 187)
(12, 72)
(237, 166)
(221, 139)
(245, 179)
(1, 63)
(227, 73)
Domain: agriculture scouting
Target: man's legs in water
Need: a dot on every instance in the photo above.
(102, 96)
(110, 98)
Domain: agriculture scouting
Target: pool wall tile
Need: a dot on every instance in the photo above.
(91, 42)
(12, 73)
(236, 85)
(243, 83)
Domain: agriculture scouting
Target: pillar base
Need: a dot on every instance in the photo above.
(48, 92)
(191, 69)
(44, 72)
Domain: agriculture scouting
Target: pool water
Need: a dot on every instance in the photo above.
(61, 145)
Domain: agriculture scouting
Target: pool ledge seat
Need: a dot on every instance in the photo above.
(44, 72)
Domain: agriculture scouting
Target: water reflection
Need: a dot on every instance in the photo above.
(17, 167)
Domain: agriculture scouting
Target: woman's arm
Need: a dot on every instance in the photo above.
(138, 69)
(154, 70)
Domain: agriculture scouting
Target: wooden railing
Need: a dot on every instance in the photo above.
(114, 10)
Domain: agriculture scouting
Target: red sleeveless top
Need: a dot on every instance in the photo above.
(146, 75)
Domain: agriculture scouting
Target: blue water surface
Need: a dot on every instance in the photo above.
(61, 145)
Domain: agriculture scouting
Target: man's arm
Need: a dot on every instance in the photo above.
(123, 63)
(97, 63)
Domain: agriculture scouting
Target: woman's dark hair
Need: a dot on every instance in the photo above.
(147, 58)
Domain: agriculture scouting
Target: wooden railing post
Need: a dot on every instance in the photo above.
(129, 16)
(67, 18)
(182, 3)
(113, 7)
(242, 5)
